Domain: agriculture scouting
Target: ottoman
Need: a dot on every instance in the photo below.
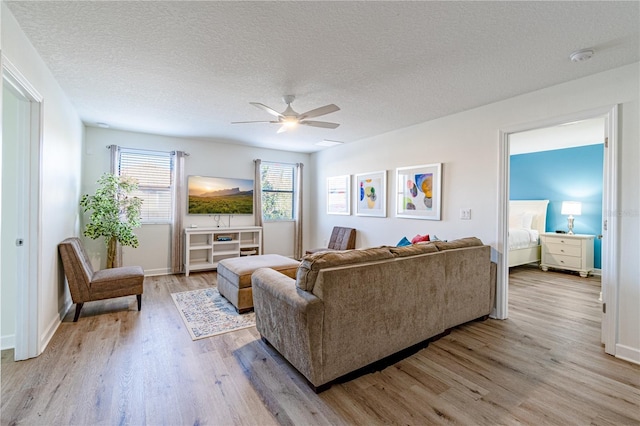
(234, 276)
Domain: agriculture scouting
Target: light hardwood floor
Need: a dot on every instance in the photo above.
(544, 365)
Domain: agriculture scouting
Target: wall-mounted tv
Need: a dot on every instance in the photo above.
(216, 195)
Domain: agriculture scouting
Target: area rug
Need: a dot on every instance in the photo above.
(206, 313)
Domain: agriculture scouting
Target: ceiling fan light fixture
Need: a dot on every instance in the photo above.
(289, 119)
(290, 122)
(581, 55)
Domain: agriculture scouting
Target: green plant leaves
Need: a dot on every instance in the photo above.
(113, 211)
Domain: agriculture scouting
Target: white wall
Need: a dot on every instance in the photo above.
(62, 137)
(468, 146)
(206, 158)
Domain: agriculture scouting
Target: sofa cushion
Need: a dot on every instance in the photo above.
(459, 243)
(414, 249)
(311, 264)
(404, 242)
(420, 238)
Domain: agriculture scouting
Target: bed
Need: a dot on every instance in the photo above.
(527, 221)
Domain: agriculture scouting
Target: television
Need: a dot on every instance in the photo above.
(218, 195)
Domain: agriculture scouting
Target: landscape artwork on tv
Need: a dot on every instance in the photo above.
(215, 195)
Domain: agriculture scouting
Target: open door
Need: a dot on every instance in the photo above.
(609, 225)
(19, 261)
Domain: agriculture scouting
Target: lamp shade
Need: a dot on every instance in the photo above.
(571, 208)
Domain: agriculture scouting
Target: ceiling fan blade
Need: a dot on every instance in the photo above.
(323, 124)
(266, 108)
(244, 122)
(327, 109)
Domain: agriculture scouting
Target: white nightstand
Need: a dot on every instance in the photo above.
(570, 252)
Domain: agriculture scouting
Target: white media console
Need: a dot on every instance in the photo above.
(205, 247)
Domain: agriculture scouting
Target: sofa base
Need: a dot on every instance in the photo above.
(381, 364)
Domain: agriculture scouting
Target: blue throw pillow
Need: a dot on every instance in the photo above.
(404, 242)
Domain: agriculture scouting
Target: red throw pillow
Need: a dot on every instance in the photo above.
(420, 238)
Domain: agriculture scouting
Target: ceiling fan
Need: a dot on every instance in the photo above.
(289, 118)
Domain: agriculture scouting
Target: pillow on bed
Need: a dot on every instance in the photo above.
(521, 220)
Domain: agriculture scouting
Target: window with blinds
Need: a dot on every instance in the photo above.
(277, 182)
(152, 170)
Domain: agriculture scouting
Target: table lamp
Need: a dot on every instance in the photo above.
(571, 208)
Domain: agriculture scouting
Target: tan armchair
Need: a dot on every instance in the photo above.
(86, 285)
(341, 239)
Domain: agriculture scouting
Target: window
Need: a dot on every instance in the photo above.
(277, 182)
(152, 170)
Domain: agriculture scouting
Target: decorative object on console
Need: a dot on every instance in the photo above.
(571, 208)
(216, 196)
(371, 194)
(419, 191)
(339, 195)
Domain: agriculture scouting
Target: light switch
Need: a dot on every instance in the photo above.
(465, 214)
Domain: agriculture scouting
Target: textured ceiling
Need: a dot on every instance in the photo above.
(188, 69)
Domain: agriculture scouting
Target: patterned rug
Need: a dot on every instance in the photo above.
(206, 313)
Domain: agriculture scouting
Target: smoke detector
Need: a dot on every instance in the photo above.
(581, 55)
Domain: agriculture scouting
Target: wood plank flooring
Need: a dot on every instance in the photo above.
(544, 365)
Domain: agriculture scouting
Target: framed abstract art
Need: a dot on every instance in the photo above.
(339, 195)
(419, 190)
(371, 194)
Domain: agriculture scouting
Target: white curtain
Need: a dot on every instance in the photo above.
(297, 243)
(178, 202)
(257, 198)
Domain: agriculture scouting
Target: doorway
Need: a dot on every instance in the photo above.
(608, 271)
(19, 259)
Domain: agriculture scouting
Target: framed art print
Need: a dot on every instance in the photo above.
(419, 190)
(371, 194)
(339, 195)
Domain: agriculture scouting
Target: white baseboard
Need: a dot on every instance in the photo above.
(8, 342)
(597, 272)
(55, 322)
(628, 354)
(46, 337)
(157, 272)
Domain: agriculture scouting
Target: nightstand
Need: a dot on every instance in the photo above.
(569, 252)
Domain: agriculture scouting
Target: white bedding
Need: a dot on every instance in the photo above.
(522, 238)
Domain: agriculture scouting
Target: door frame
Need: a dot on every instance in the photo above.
(27, 342)
(609, 207)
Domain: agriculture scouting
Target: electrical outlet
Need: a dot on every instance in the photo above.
(465, 214)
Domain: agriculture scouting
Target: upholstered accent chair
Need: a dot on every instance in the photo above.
(87, 285)
(341, 239)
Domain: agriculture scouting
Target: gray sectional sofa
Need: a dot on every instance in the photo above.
(346, 310)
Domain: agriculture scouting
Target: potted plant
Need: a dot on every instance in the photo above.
(114, 213)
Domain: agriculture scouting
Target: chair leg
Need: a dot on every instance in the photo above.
(78, 309)
(139, 297)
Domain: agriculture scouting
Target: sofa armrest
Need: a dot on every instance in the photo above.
(290, 319)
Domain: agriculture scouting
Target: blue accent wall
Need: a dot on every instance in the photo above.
(571, 174)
